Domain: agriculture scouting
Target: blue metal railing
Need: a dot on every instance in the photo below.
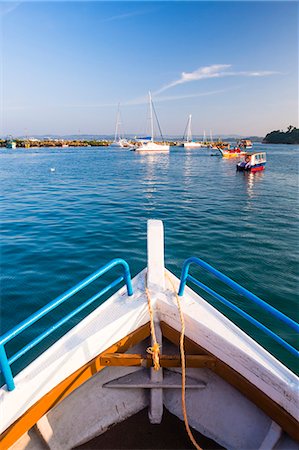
(6, 362)
(286, 320)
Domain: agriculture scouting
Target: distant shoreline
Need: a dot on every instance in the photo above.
(64, 143)
(55, 143)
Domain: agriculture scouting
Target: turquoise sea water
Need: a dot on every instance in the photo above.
(60, 226)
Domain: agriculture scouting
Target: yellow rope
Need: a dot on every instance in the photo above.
(183, 361)
(154, 350)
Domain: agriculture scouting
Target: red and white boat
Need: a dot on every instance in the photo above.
(253, 162)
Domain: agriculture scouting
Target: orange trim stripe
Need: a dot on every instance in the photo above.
(63, 389)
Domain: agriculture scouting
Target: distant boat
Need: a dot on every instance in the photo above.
(204, 140)
(119, 140)
(227, 152)
(10, 143)
(147, 144)
(190, 144)
(212, 144)
(245, 143)
(253, 162)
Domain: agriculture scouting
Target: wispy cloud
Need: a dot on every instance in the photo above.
(213, 71)
(198, 94)
(127, 15)
(157, 98)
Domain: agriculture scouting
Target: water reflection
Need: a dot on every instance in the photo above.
(188, 163)
(251, 179)
(156, 167)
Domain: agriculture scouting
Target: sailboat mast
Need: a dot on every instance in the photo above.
(189, 133)
(117, 124)
(151, 116)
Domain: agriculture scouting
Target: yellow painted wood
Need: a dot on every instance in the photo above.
(120, 359)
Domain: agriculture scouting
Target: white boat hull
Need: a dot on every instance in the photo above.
(192, 145)
(152, 147)
(222, 402)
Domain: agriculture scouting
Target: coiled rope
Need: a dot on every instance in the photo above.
(183, 364)
(154, 350)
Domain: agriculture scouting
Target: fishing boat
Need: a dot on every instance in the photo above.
(10, 143)
(252, 162)
(148, 144)
(245, 144)
(189, 144)
(119, 140)
(155, 344)
(227, 152)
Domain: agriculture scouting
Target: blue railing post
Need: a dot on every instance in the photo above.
(128, 279)
(6, 370)
(185, 276)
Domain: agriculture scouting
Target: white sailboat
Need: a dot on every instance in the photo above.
(148, 145)
(212, 143)
(119, 141)
(190, 144)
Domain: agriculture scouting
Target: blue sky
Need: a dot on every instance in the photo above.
(66, 65)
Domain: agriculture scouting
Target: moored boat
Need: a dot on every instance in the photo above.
(111, 365)
(245, 144)
(148, 145)
(253, 162)
(119, 139)
(10, 143)
(152, 147)
(227, 152)
(190, 144)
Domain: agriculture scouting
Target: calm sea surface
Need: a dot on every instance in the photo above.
(60, 226)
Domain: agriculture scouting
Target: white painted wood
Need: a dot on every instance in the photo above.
(30, 441)
(141, 379)
(45, 430)
(155, 256)
(155, 411)
(217, 334)
(155, 284)
(272, 437)
(220, 412)
(90, 410)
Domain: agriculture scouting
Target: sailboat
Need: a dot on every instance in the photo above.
(212, 143)
(119, 140)
(147, 144)
(190, 144)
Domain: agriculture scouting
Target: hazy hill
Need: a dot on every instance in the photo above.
(291, 136)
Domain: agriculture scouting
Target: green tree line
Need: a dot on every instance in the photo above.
(291, 136)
